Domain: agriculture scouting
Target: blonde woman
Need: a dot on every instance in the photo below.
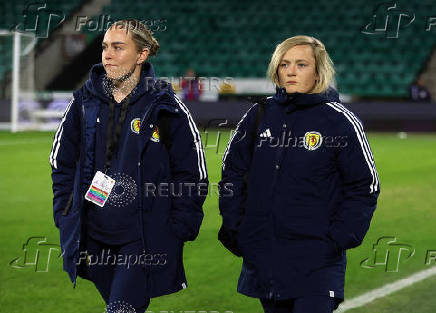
(123, 143)
(304, 182)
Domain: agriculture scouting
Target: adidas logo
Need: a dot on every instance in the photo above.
(266, 133)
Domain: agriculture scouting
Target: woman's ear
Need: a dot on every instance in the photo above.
(142, 56)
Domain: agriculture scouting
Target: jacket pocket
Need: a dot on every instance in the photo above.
(229, 239)
(296, 221)
(173, 231)
(328, 254)
(69, 226)
(68, 205)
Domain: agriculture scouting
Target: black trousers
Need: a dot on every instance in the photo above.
(309, 304)
(121, 284)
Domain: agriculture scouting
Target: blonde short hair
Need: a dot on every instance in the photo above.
(141, 35)
(323, 63)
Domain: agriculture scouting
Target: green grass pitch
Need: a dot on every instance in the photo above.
(406, 211)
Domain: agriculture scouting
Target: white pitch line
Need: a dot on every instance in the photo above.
(385, 290)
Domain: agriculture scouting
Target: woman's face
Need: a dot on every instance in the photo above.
(297, 70)
(119, 55)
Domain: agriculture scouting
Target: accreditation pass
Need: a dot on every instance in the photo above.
(100, 189)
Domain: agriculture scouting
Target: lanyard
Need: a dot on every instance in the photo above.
(112, 139)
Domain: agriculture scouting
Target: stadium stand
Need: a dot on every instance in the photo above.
(236, 39)
(227, 38)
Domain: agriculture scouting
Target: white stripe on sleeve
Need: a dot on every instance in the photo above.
(58, 136)
(226, 152)
(358, 128)
(201, 162)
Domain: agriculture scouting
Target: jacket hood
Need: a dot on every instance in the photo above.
(99, 85)
(305, 99)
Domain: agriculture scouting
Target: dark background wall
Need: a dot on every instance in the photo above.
(377, 116)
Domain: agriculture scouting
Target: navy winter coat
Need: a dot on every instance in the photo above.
(303, 191)
(168, 217)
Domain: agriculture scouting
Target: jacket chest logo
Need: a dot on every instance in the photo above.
(135, 125)
(155, 136)
(312, 140)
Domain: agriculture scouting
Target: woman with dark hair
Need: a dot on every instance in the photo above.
(124, 157)
(304, 184)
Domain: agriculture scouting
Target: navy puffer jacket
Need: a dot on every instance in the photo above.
(168, 216)
(304, 194)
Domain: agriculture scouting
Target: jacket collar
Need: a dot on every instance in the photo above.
(304, 100)
(99, 85)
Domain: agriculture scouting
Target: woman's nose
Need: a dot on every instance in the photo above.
(107, 54)
(291, 70)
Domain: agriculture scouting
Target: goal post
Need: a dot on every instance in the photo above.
(18, 77)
